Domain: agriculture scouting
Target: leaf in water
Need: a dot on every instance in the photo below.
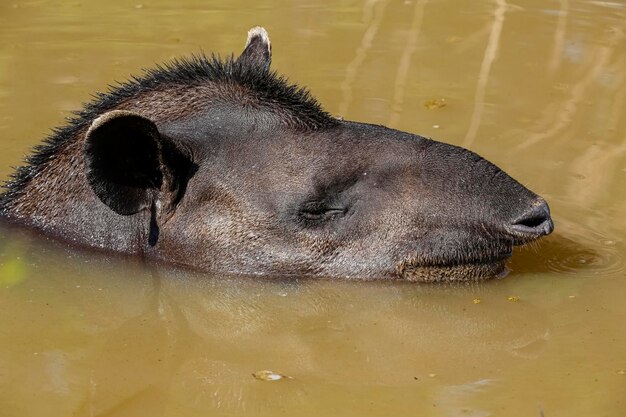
(476, 300)
(435, 103)
(12, 272)
(513, 298)
(269, 376)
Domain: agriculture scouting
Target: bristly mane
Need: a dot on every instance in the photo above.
(266, 86)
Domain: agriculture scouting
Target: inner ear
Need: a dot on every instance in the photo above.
(125, 163)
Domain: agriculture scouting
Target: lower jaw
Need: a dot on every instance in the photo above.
(455, 273)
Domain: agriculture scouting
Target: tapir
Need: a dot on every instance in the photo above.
(222, 165)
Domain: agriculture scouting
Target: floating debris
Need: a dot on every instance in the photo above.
(621, 372)
(435, 103)
(269, 376)
(477, 301)
(432, 375)
(513, 298)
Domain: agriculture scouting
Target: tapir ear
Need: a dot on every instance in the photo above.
(258, 50)
(131, 166)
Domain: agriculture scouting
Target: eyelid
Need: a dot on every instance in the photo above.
(319, 210)
(316, 206)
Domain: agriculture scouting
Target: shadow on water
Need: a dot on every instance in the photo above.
(565, 255)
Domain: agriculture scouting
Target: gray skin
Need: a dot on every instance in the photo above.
(242, 173)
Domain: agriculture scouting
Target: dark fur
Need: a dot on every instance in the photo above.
(266, 87)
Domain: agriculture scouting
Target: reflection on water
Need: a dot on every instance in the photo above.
(539, 88)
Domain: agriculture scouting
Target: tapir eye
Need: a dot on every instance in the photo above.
(319, 211)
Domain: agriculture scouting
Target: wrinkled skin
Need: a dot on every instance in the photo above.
(216, 176)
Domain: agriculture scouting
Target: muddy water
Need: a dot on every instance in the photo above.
(539, 87)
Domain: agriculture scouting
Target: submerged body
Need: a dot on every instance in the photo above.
(224, 166)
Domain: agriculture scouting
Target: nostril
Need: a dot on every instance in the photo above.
(536, 221)
(532, 220)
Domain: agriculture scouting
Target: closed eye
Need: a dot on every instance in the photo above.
(316, 212)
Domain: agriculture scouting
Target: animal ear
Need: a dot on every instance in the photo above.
(131, 166)
(258, 50)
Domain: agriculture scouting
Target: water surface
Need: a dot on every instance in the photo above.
(538, 87)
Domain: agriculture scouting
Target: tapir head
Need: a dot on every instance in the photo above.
(235, 170)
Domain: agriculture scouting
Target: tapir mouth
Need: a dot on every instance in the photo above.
(479, 257)
(480, 269)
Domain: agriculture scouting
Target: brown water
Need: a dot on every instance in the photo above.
(538, 87)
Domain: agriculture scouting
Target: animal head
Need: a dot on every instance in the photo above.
(223, 165)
